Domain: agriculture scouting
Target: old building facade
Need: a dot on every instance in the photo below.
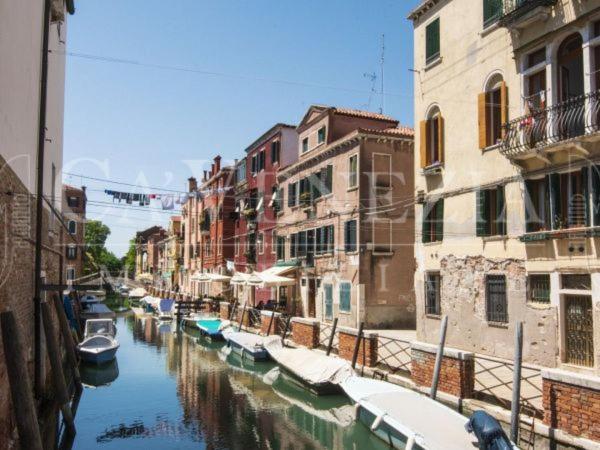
(346, 220)
(507, 177)
(73, 212)
(170, 261)
(258, 203)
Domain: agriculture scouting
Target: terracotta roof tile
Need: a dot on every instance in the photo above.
(363, 114)
(400, 131)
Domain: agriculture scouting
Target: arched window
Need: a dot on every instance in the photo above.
(570, 67)
(493, 111)
(432, 138)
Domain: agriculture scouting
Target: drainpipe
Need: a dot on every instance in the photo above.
(39, 206)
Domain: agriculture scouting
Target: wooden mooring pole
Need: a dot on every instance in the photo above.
(438, 359)
(285, 331)
(232, 312)
(330, 343)
(242, 318)
(58, 379)
(516, 393)
(359, 337)
(270, 323)
(68, 340)
(20, 384)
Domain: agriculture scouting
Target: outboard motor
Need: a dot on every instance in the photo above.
(488, 431)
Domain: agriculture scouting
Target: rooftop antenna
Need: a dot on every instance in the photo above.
(372, 77)
(382, 73)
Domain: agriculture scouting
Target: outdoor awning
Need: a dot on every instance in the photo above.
(271, 280)
(207, 277)
(240, 278)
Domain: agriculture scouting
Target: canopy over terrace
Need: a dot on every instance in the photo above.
(270, 278)
(209, 278)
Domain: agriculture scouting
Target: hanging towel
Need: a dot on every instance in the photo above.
(167, 202)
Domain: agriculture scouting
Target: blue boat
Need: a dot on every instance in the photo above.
(210, 327)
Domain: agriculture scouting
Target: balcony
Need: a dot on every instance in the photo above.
(519, 14)
(546, 131)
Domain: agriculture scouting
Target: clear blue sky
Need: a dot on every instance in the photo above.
(253, 64)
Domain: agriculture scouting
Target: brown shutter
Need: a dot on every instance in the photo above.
(481, 100)
(440, 120)
(503, 106)
(423, 142)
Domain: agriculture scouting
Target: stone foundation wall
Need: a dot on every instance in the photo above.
(457, 375)
(238, 317)
(305, 332)
(367, 349)
(572, 403)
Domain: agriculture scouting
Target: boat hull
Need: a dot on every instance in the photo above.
(326, 388)
(249, 353)
(101, 357)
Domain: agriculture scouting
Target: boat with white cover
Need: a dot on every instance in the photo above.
(99, 344)
(249, 345)
(408, 420)
(320, 374)
(165, 309)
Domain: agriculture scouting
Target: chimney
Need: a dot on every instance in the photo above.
(217, 163)
(212, 169)
(192, 184)
(205, 176)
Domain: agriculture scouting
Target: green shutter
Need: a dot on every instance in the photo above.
(595, 209)
(585, 180)
(432, 45)
(331, 237)
(439, 216)
(345, 296)
(501, 210)
(481, 209)
(529, 226)
(555, 207)
(425, 224)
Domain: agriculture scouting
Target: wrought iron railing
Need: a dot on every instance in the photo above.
(325, 330)
(494, 383)
(576, 117)
(512, 10)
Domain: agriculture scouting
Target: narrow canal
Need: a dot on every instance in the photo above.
(170, 390)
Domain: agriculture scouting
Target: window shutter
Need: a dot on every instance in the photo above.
(425, 233)
(331, 242)
(501, 209)
(480, 210)
(595, 209)
(482, 116)
(503, 107)
(439, 216)
(440, 120)
(329, 179)
(423, 143)
(529, 226)
(586, 194)
(555, 209)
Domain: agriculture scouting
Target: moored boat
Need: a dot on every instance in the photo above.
(249, 345)
(212, 327)
(406, 419)
(99, 344)
(165, 309)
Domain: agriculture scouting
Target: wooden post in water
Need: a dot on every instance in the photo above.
(438, 358)
(58, 379)
(330, 343)
(357, 345)
(285, 331)
(68, 339)
(516, 393)
(232, 312)
(242, 318)
(20, 384)
(270, 323)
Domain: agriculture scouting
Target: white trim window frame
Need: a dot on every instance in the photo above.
(353, 176)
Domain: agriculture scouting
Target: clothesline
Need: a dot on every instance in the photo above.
(168, 201)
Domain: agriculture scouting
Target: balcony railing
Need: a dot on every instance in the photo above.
(513, 10)
(574, 118)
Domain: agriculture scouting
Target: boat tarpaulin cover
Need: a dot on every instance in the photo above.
(251, 340)
(138, 293)
(166, 305)
(311, 366)
(411, 414)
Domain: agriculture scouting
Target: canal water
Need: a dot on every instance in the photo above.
(175, 390)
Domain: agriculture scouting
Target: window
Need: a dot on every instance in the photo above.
(353, 171)
(305, 192)
(301, 244)
(261, 161)
(324, 240)
(236, 244)
(241, 171)
(260, 243)
(345, 296)
(496, 304)
(433, 221)
(432, 41)
(70, 273)
(350, 238)
(305, 145)
(254, 165)
(326, 179)
(277, 199)
(73, 201)
(432, 293)
(492, 112)
(538, 288)
(71, 251)
(432, 140)
(275, 150)
(72, 227)
(292, 194)
(537, 205)
(382, 235)
(293, 245)
(535, 83)
(321, 134)
(280, 248)
(492, 11)
(491, 212)
(578, 281)
(382, 170)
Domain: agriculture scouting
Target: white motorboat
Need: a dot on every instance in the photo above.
(99, 344)
(406, 419)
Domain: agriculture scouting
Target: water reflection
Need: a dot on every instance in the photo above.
(177, 390)
(99, 375)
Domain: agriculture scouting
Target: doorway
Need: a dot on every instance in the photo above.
(312, 292)
(579, 331)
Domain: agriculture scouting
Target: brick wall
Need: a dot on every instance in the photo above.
(572, 403)
(224, 310)
(457, 375)
(305, 332)
(265, 319)
(367, 350)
